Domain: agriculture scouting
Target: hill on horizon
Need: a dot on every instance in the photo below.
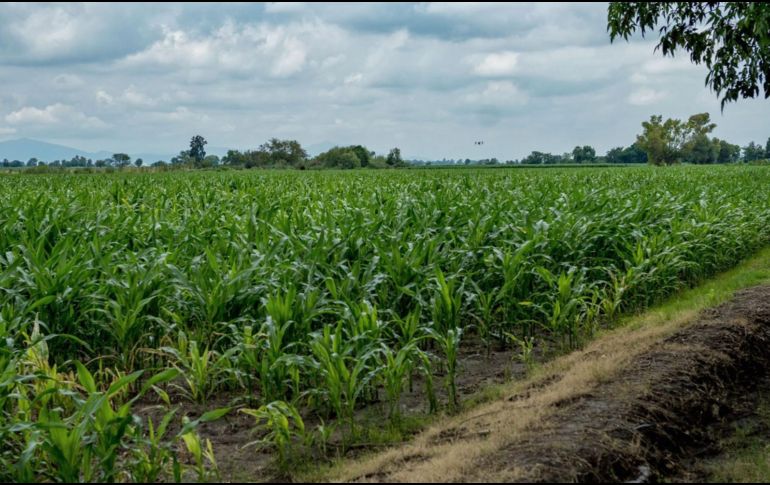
(25, 148)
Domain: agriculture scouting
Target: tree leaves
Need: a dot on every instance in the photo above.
(731, 38)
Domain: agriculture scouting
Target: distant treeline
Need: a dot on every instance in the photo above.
(660, 143)
(290, 154)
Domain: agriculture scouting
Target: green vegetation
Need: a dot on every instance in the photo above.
(314, 294)
(731, 38)
(675, 141)
(660, 143)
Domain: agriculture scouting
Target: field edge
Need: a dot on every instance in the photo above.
(441, 452)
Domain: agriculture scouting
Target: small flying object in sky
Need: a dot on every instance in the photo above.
(478, 142)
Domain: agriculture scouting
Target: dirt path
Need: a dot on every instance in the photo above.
(633, 406)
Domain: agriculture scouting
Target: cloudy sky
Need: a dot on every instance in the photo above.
(429, 78)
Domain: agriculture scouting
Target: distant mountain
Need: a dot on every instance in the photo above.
(25, 148)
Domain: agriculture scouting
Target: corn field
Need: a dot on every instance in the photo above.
(317, 292)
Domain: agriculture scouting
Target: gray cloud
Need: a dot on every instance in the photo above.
(430, 78)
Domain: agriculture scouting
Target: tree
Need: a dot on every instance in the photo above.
(731, 38)
(728, 153)
(701, 150)
(585, 154)
(284, 152)
(767, 148)
(183, 158)
(197, 152)
(32, 162)
(631, 154)
(696, 146)
(394, 158)
(342, 157)
(121, 159)
(661, 140)
(674, 141)
(273, 153)
(753, 151)
(138, 162)
(210, 161)
(364, 155)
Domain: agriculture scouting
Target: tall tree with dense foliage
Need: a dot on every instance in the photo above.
(661, 140)
(121, 159)
(696, 146)
(630, 154)
(353, 156)
(284, 152)
(731, 38)
(585, 154)
(197, 151)
(675, 141)
(727, 152)
(364, 155)
(394, 158)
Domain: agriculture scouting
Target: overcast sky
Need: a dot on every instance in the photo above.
(429, 78)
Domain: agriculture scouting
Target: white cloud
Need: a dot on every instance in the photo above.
(102, 97)
(232, 49)
(46, 32)
(645, 97)
(291, 60)
(5, 130)
(132, 96)
(497, 64)
(498, 94)
(30, 114)
(53, 114)
(79, 32)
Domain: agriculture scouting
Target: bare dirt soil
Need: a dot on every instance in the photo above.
(634, 407)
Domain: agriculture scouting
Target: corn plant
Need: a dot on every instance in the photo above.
(344, 374)
(447, 303)
(449, 344)
(396, 367)
(283, 424)
(203, 371)
(153, 456)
